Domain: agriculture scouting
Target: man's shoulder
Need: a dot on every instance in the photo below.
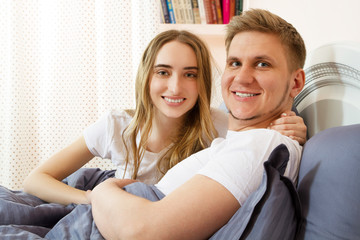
(259, 138)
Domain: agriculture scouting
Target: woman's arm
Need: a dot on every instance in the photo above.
(291, 125)
(45, 180)
(193, 211)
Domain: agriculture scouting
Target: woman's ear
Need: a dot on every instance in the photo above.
(297, 83)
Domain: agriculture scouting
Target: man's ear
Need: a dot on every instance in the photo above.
(297, 82)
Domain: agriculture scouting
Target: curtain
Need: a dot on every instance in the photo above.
(63, 64)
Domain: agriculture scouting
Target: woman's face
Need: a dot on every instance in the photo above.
(173, 82)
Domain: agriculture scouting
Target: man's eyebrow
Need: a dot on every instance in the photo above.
(259, 57)
(230, 58)
(265, 57)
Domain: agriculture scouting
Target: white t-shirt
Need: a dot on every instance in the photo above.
(235, 162)
(104, 139)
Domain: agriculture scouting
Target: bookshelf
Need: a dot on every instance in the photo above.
(212, 34)
(214, 30)
(199, 29)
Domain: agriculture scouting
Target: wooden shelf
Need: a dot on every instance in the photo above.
(212, 34)
(200, 29)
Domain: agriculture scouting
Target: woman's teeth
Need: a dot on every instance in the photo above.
(174, 100)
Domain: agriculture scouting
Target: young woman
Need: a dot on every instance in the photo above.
(172, 120)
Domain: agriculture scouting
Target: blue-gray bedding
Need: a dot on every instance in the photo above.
(271, 212)
(24, 216)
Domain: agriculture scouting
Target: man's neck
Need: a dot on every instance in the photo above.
(253, 123)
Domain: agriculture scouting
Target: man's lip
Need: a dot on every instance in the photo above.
(245, 94)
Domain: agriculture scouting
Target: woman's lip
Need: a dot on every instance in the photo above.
(174, 99)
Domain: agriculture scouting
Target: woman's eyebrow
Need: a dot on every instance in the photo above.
(162, 65)
(190, 68)
(169, 66)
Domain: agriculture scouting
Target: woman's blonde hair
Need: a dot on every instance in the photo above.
(197, 131)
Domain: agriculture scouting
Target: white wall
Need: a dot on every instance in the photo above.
(318, 21)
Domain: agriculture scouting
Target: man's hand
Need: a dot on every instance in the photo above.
(120, 183)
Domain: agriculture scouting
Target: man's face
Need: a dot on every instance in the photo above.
(256, 84)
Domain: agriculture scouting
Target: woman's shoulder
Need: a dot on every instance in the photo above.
(115, 114)
(116, 118)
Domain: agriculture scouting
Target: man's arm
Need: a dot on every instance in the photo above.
(193, 211)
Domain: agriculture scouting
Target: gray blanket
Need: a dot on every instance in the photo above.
(24, 216)
(271, 212)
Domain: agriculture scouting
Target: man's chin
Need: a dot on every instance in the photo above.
(242, 116)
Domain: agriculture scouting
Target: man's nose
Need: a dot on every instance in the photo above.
(244, 75)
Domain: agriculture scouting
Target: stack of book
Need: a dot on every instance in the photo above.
(199, 11)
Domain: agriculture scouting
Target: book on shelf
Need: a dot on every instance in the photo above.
(202, 11)
(199, 11)
(178, 11)
(196, 11)
(213, 12)
(171, 11)
(164, 12)
(238, 7)
(218, 11)
(209, 12)
(226, 11)
(188, 11)
(232, 9)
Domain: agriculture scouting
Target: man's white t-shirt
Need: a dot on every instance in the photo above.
(104, 139)
(236, 162)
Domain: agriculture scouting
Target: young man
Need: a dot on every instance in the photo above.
(263, 74)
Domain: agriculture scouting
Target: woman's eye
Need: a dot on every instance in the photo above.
(162, 73)
(191, 75)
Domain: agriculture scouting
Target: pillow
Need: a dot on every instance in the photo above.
(272, 211)
(329, 184)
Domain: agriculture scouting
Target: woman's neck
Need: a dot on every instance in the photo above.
(163, 132)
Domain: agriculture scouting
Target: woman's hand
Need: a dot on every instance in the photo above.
(291, 125)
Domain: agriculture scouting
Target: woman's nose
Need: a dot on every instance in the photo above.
(174, 84)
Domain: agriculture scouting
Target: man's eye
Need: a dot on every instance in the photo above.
(263, 64)
(235, 64)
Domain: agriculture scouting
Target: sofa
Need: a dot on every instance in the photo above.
(328, 186)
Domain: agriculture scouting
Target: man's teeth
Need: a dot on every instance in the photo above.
(174, 100)
(245, 94)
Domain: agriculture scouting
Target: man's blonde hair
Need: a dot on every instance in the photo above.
(260, 20)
